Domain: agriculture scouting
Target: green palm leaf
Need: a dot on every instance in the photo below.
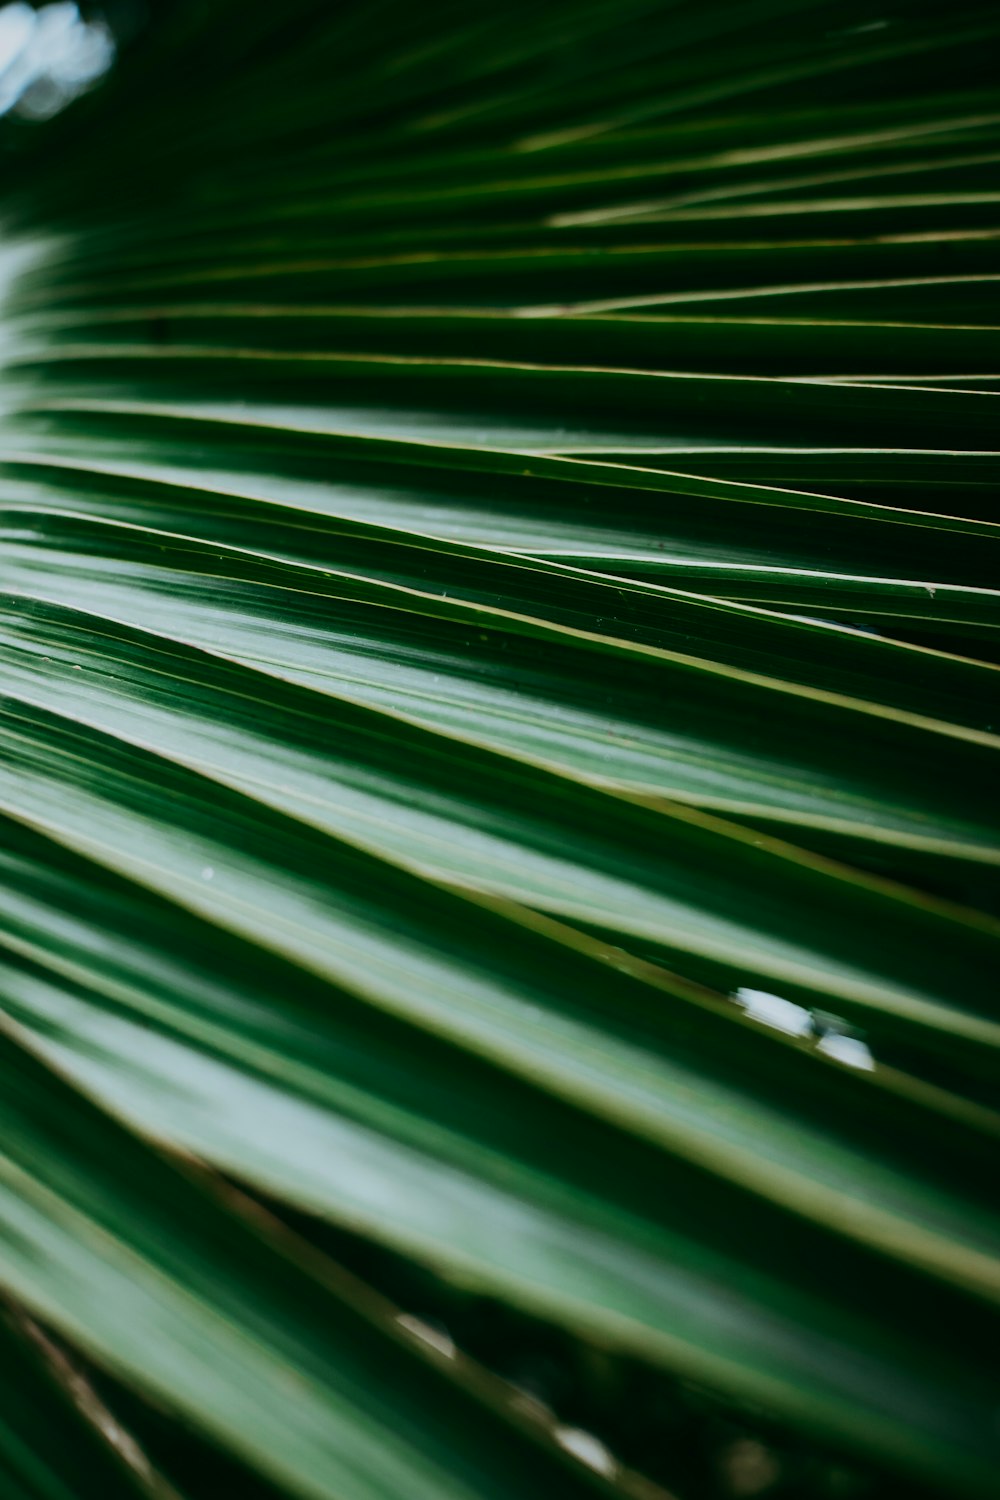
(498, 653)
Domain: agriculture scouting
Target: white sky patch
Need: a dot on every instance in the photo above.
(587, 1448)
(771, 1010)
(49, 56)
(848, 1049)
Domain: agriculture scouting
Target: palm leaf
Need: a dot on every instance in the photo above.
(498, 650)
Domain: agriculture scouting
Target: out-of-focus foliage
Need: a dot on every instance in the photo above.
(498, 626)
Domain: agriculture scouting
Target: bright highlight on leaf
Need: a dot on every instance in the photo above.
(499, 849)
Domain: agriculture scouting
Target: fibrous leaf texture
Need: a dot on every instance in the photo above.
(498, 655)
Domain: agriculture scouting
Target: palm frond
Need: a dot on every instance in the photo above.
(498, 646)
